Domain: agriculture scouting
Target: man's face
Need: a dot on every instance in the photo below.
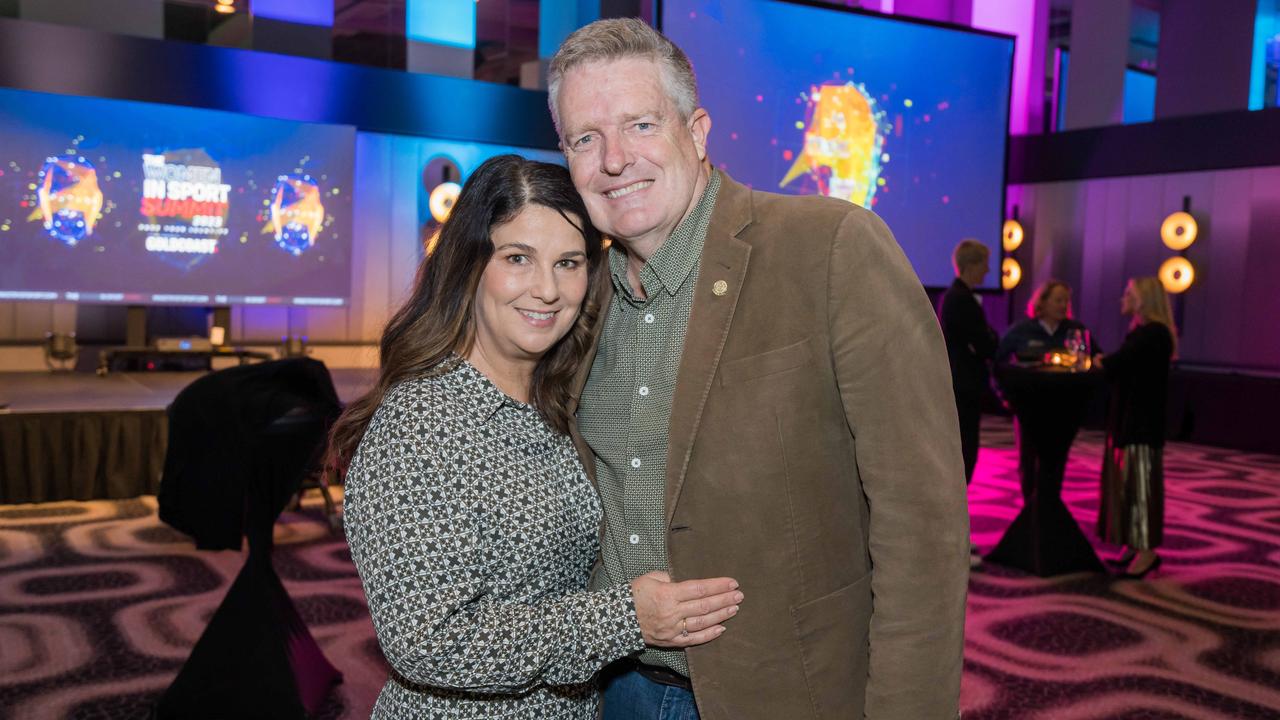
(637, 165)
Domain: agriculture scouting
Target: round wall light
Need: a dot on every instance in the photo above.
(1177, 274)
(1179, 231)
(1010, 274)
(441, 200)
(1013, 235)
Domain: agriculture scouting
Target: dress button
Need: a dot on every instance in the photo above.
(635, 462)
(648, 318)
(644, 390)
(635, 539)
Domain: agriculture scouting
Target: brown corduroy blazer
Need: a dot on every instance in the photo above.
(815, 457)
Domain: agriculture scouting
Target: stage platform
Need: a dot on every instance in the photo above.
(77, 436)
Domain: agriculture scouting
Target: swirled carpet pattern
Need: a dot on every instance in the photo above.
(100, 603)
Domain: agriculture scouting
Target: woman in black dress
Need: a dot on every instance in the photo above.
(1132, 512)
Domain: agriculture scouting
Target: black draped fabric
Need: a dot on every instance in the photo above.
(1048, 407)
(49, 456)
(241, 440)
(215, 428)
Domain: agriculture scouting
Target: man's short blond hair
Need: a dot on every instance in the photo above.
(617, 39)
(969, 252)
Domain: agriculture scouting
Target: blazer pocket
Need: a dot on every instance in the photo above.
(832, 632)
(766, 363)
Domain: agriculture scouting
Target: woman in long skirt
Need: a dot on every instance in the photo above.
(1132, 512)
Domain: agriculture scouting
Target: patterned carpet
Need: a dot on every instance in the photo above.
(1198, 638)
(100, 603)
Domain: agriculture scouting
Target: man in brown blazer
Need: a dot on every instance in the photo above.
(768, 399)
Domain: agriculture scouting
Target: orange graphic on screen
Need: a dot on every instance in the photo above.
(297, 214)
(843, 143)
(70, 199)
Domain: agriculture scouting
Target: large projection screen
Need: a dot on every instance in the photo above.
(907, 118)
(109, 201)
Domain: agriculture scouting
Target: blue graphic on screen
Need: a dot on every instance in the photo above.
(114, 201)
(905, 118)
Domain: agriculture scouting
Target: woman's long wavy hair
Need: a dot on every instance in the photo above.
(439, 317)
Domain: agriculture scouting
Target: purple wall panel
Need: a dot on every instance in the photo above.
(1221, 261)
(1260, 301)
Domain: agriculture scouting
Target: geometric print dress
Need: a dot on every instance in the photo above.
(474, 530)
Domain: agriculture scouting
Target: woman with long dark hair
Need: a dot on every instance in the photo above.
(470, 518)
(1132, 512)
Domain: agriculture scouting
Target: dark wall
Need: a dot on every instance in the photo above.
(1219, 141)
(98, 64)
(1205, 55)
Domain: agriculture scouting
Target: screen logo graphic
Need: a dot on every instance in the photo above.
(843, 143)
(69, 198)
(297, 214)
(185, 204)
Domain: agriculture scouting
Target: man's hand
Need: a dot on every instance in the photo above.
(678, 615)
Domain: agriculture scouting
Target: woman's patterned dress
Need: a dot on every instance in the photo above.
(474, 529)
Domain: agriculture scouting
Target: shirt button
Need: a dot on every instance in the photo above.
(648, 318)
(644, 390)
(635, 539)
(635, 462)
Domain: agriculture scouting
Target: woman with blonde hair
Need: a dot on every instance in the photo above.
(1132, 512)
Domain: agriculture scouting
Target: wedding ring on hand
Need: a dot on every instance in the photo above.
(684, 627)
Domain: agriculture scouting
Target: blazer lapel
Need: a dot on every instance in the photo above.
(715, 297)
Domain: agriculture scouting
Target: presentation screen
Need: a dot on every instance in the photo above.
(107, 201)
(905, 118)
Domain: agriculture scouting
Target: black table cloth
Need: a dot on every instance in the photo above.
(241, 442)
(1048, 407)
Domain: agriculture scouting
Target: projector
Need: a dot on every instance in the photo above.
(184, 344)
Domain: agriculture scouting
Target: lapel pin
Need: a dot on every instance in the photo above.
(720, 287)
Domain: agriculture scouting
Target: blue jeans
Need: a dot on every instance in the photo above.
(631, 696)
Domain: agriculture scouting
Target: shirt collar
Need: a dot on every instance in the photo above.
(490, 398)
(673, 262)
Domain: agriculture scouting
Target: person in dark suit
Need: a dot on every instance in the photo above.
(1046, 327)
(971, 343)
